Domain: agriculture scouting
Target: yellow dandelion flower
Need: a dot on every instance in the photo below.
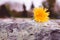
(40, 14)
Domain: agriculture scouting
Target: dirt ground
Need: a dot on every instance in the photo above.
(24, 19)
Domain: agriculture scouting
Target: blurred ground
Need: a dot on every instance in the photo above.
(27, 29)
(24, 19)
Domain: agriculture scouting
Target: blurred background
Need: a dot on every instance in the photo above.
(23, 8)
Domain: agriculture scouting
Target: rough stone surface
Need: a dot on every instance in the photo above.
(25, 29)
